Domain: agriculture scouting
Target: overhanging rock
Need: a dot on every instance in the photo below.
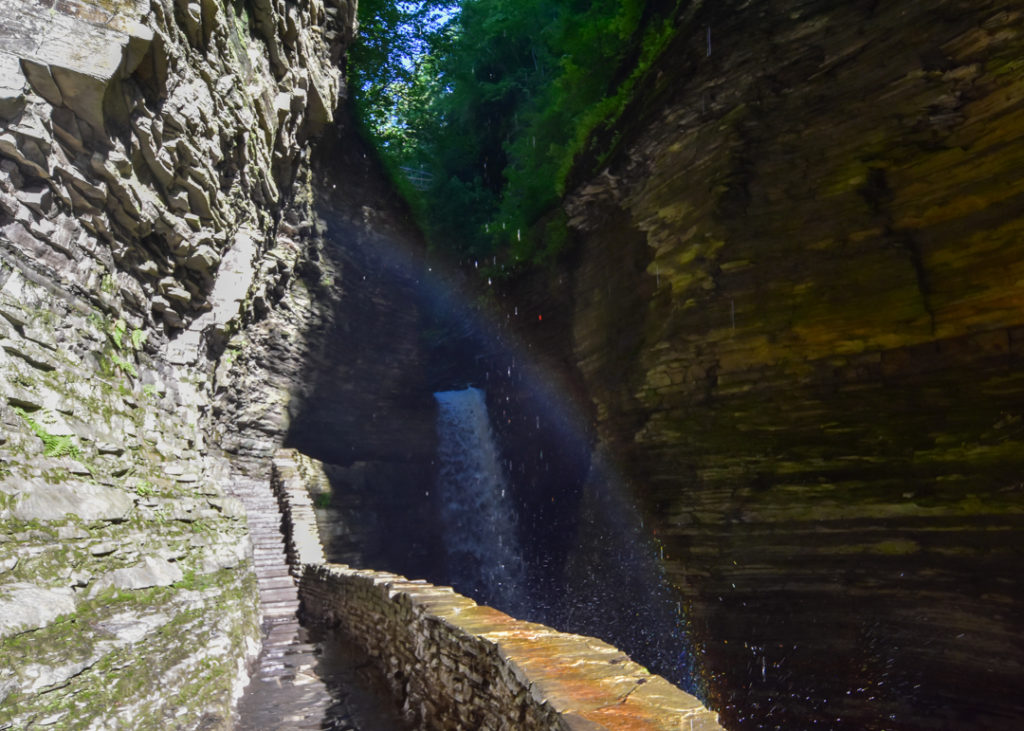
(70, 58)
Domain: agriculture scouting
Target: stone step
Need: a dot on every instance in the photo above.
(273, 668)
(291, 649)
(268, 565)
(269, 596)
(283, 643)
(268, 577)
(266, 529)
(267, 556)
(280, 608)
(280, 614)
(275, 583)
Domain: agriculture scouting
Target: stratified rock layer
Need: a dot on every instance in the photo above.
(147, 150)
(336, 365)
(796, 307)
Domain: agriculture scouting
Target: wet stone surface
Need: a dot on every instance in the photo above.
(362, 699)
(287, 690)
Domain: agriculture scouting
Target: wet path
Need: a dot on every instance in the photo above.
(302, 680)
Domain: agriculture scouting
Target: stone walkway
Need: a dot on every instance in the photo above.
(301, 681)
(285, 691)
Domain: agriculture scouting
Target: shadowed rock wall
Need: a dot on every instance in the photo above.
(796, 307)
(337, 366)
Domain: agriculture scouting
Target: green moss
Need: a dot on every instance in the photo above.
(135, 675)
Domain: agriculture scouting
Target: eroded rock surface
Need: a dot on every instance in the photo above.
(147, 151)
(796, 309)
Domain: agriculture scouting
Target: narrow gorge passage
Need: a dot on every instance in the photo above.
(725, 301)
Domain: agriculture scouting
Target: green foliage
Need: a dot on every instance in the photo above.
(125, 365)
(138, 339)
(322, 500)
(117, 332)
(479, 108)
(54, 445)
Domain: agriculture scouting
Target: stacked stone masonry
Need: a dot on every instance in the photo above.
(150, 153)
(454, 664)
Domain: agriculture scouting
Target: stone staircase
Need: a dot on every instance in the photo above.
(285, 691)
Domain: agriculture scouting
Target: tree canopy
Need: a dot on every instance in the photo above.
(480, 107)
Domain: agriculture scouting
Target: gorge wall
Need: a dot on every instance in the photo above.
(155, 200)
(794, 305)
(337, 367)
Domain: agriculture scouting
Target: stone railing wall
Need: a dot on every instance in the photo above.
(454, 664)
(302, 539)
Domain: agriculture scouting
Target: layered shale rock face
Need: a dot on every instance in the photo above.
(337, 366)
(796, 307)
(148, 149)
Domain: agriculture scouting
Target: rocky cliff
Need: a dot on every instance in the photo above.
(795, 306)
(337, 366)
(152, 163)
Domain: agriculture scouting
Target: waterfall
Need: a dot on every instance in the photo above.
(484, 560)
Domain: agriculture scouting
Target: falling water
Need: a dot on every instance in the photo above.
(484, 560)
